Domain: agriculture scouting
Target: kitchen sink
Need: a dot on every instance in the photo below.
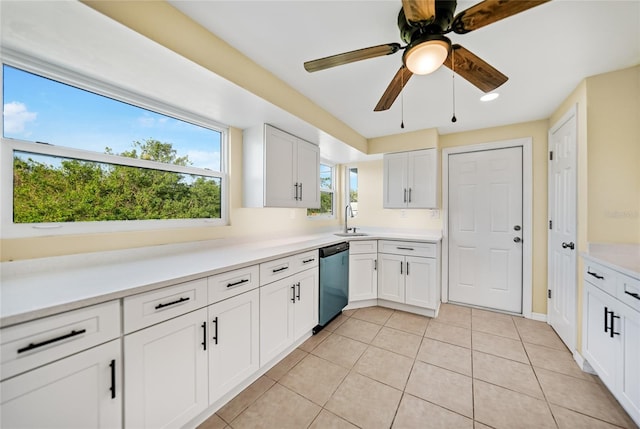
(351, 234)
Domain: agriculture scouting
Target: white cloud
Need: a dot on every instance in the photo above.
(202, 159)
(16, 116)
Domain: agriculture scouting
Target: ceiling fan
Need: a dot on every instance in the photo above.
(423, 25)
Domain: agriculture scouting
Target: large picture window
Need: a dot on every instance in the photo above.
(77, 161)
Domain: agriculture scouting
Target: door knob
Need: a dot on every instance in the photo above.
(517, 239)
(569, 245)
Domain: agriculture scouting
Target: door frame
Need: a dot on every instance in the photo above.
(526, 144)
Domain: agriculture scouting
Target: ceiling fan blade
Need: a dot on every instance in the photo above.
(474, 69)
(419, 10)
(488, 12)
(350, 57)
(394, 89)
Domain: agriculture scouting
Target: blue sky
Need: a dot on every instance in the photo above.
(39, 109)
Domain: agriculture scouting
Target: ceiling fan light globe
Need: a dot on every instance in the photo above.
(426, 57)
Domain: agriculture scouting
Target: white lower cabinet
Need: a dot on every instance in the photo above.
(391, 277)
(81, 391)
(601, 347)
(611, 335)
(233, 342)
(288, 310)
(408, 279)
(363, 270)
(166, 378)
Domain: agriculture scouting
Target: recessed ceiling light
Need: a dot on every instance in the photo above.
(490, 96)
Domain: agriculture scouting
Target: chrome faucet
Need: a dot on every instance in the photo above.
(348, 212)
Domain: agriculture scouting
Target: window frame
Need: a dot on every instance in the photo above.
(9, 229)
(347, 186)
(332, 190)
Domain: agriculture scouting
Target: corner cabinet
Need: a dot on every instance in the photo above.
(611, 334)
(410, 179)
(280, 169)
(363, 270)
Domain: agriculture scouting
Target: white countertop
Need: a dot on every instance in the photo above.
(37, 288)
(624, 258)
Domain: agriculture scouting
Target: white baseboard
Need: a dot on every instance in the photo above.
(540, 317)
(583, 364)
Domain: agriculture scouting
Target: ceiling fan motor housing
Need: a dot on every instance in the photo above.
(440, 24)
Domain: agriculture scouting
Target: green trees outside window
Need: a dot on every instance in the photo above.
(56, 189)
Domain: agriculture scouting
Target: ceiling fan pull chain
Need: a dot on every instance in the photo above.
(453, 83)
(402, 99)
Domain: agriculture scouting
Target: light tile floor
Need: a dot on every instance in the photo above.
(467, 368)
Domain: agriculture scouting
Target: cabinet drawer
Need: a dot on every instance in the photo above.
(306, 260)
(408, 248)
(365, 246)
(276, 270)
(232, 283)
(600, 276)
(629, 291)
(153, 307)
(41, 341)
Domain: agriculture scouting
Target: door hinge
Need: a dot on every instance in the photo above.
(550, 155)
(550, 224)
(548, 293)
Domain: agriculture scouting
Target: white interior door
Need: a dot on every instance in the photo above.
(485, 228)
(561, 301)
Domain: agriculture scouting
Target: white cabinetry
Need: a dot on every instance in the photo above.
(166, 363)
(410, 179)
(234, 330)
(289, 305)
(408, 273)
(363, 270)
(611, 335)
(280, 170)
(63, 371)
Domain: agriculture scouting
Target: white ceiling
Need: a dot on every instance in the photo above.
(545, 51)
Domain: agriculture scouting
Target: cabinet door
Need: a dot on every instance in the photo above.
(280, 172)
(600, 349)
(420, 282)
(391, 269)
(308, 162)
(394, 186)
(421, 179)
(305, 308)
(166, 373)
(233, 342)
(276, 318)
(363, 277)
(74, 392)
(629, 380)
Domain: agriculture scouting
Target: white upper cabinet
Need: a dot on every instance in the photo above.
(280, 170)
(410, 179)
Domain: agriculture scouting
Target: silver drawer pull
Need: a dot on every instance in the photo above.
(177, 301)
(405, 248)
(237, 283)
(32, 346)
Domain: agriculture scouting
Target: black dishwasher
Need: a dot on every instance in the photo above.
(334, 282)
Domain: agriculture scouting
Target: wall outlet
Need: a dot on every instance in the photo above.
(435, 214)
(403, 214)
(292, 214)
